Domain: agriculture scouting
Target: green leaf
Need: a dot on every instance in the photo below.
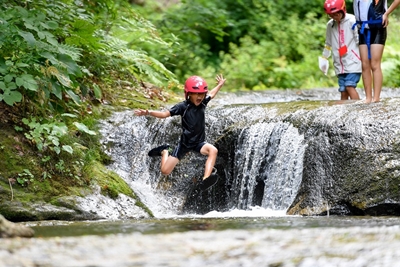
(51, 39)
(69, 115)
(74, 97)
(56, 89)
(59, 130)
(50, 57)
(29, 38)
(22, 65)
(67, 149)
(83, 128)
(3, 66)
(27, 81)
(25, 121)
(52, 25)
(18, 128)
(39, 146)
(70, 64)
(55, 142)
(97, 92)
(3, 86)
(12, 86)
(31, 27)
(12, 97)
(21, 181)
(9, 77)
(63, 79)
(56, 149)
(41, 35)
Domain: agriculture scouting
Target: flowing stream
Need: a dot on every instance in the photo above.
(246, 225)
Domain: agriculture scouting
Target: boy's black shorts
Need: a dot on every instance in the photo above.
(180, 150)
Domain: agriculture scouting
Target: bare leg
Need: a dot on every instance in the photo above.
(352, 92)
(366, 73)
(168, 163)
(212, 152)
(376, 58)
(344, 95)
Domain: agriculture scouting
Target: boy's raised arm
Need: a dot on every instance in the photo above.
(220, 82)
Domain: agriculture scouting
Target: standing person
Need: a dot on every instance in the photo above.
(192, 112)
(372, 34)
(342, 41)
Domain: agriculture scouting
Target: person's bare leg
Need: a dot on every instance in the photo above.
(376, 58)
(168, 163)
(212, 152)
(344, 95)
(352, 92)
(366, 73)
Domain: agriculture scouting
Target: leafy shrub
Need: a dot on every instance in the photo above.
(32, 61)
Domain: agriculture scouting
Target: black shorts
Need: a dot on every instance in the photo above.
(180, 151)
(378, 36)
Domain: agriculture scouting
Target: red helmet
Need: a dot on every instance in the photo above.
(195, 84)
(333, 6)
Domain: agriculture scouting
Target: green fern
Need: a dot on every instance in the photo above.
(138, 62)
(74, 52)
(83, 34)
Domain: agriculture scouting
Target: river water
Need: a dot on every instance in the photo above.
(237, 238)
(251, 237)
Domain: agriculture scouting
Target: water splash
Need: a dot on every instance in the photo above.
(127, 139)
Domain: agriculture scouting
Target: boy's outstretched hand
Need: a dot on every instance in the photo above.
(220, 79)
(141, 112)
(220, 82)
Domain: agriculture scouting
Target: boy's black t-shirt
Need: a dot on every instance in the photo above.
(193, 121)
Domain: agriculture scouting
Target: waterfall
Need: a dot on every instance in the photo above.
(268, 166)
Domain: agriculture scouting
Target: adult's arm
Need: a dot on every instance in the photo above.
(385, 17)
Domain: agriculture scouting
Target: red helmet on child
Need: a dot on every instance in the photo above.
(195, 84)
(333, 6)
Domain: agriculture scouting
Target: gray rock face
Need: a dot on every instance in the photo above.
(93, 206)
(352, 160)
(350, 165)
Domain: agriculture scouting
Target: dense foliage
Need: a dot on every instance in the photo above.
(58, 61)
(258, 44)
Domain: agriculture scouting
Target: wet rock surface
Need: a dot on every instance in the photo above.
(93, 206)
(352, 160)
